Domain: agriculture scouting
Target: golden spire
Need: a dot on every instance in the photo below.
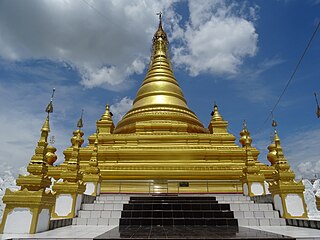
(246, 141)
(93, 163)
(283, 171)
(72, 173)
(38, 164)
(159, 104)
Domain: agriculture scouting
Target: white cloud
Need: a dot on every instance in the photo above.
(24, 105)
(217, 38)
(120, 108)
(308, 170)
(107, 41)
(301, 149)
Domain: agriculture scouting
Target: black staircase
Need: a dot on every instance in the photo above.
(176, 210)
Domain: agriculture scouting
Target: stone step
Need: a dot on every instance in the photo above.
(172, 198)
(176, 214)
(100, 214)
(256, 214)
(176, 206)
(95, 221)
(236, 201)
(226, 197)
(179, 221)
(113, 197)
(262, 222)
(102, 206)
(111, 201)
(106, 210)
(251, 207)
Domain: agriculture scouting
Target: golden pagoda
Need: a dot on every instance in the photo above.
(160, 146)
(28, 210)
(287, 194)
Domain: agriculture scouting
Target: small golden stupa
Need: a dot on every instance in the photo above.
(160, 146)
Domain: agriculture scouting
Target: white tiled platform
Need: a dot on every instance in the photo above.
(107, 208)
(69, 232)
(296, 232)
(249, 213)
(89, 232)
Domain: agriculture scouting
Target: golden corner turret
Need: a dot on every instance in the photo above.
(287, 194)
(70, 188)
(217, 124)
(252, 179)
(105, 125)
(32, 204)
(91, 175)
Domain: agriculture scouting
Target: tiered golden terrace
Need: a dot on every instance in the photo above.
(160, 146)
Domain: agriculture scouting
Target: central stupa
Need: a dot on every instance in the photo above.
(160, 105)
(160, 146)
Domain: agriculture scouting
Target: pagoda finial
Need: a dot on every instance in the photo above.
(80, 122)
(159, 38)
(160, 18)
(49, 108)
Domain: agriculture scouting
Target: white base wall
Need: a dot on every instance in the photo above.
(257, 188)
(245, 189)
(278, 204)
(63, 205)
(294, 205)
(18, 221)
(90, 187)
(43, 220)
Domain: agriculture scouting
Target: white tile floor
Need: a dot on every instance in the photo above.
(296, 232)
(89, 232)
(70, 232)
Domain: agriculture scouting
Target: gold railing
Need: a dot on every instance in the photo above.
(171, 186)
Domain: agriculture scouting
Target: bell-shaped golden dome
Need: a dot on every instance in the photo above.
(272, 155)
(159, 105)
(50, 155)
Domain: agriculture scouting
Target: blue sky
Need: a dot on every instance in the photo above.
(237, 53)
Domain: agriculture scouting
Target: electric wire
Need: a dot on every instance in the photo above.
(291, 77)
(103, 15)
